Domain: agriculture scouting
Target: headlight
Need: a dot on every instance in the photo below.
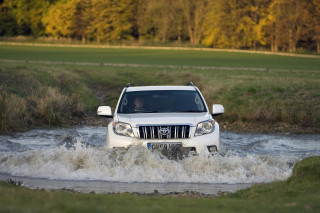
(124, 129)
(205, 127)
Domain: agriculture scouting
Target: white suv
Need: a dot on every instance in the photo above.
(163, 117)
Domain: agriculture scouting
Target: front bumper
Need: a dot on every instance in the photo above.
(200, 143)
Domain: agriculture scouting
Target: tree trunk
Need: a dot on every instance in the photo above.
(292, 43)
(274, 43)
(275, 47)
(191, 34)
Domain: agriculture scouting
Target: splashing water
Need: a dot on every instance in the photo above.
(80, 154)
(138, 164)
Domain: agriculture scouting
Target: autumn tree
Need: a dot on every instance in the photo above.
(145, 19)
(160, 20)
(287, 22)
(221, 25)
(83, 17)
(246, 24)
(111, 20)
(194, 13)
(314, 23)
(236, 24)
(60, 19)
(27, 14)
(251, 20)
(8, 23)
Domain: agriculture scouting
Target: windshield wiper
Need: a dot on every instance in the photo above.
(191, 111)
(157, 111)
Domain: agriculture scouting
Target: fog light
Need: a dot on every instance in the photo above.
(212, 148)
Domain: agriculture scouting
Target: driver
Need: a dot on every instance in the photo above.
(138, 103)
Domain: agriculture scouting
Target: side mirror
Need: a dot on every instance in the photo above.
(105, 111)
(217, 109)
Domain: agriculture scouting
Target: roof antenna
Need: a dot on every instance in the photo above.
(190, 84)
(128, 85)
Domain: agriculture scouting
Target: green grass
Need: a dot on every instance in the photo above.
(286, 94)
(158, 57)
(300, 193)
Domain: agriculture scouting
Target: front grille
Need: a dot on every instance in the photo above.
(164, 132)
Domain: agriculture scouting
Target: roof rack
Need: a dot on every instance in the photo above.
(190, 84)
(128, 85)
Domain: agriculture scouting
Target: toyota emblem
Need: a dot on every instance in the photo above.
(164, 131)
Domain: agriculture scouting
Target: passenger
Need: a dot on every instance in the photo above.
(139, 104)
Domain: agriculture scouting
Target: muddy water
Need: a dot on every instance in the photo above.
(77, 159)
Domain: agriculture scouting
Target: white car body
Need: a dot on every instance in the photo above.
(149, 129)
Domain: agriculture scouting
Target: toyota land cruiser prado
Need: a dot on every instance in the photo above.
(163, 117)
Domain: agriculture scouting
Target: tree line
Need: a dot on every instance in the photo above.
(279, 25)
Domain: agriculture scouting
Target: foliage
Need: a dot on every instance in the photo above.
(281, 25)
(60, 19)
(26, 16)
(112, 20)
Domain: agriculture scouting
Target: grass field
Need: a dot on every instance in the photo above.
(158, 57)
(300, 193)
(56, 85)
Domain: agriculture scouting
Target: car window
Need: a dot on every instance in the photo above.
(159, 101)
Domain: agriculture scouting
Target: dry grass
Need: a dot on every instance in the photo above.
(25, 101)
(12, 111)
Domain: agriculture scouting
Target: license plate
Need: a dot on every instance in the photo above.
(164, 146)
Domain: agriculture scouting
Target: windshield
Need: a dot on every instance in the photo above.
(156, 101)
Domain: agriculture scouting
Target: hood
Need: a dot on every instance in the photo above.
(163, 118)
